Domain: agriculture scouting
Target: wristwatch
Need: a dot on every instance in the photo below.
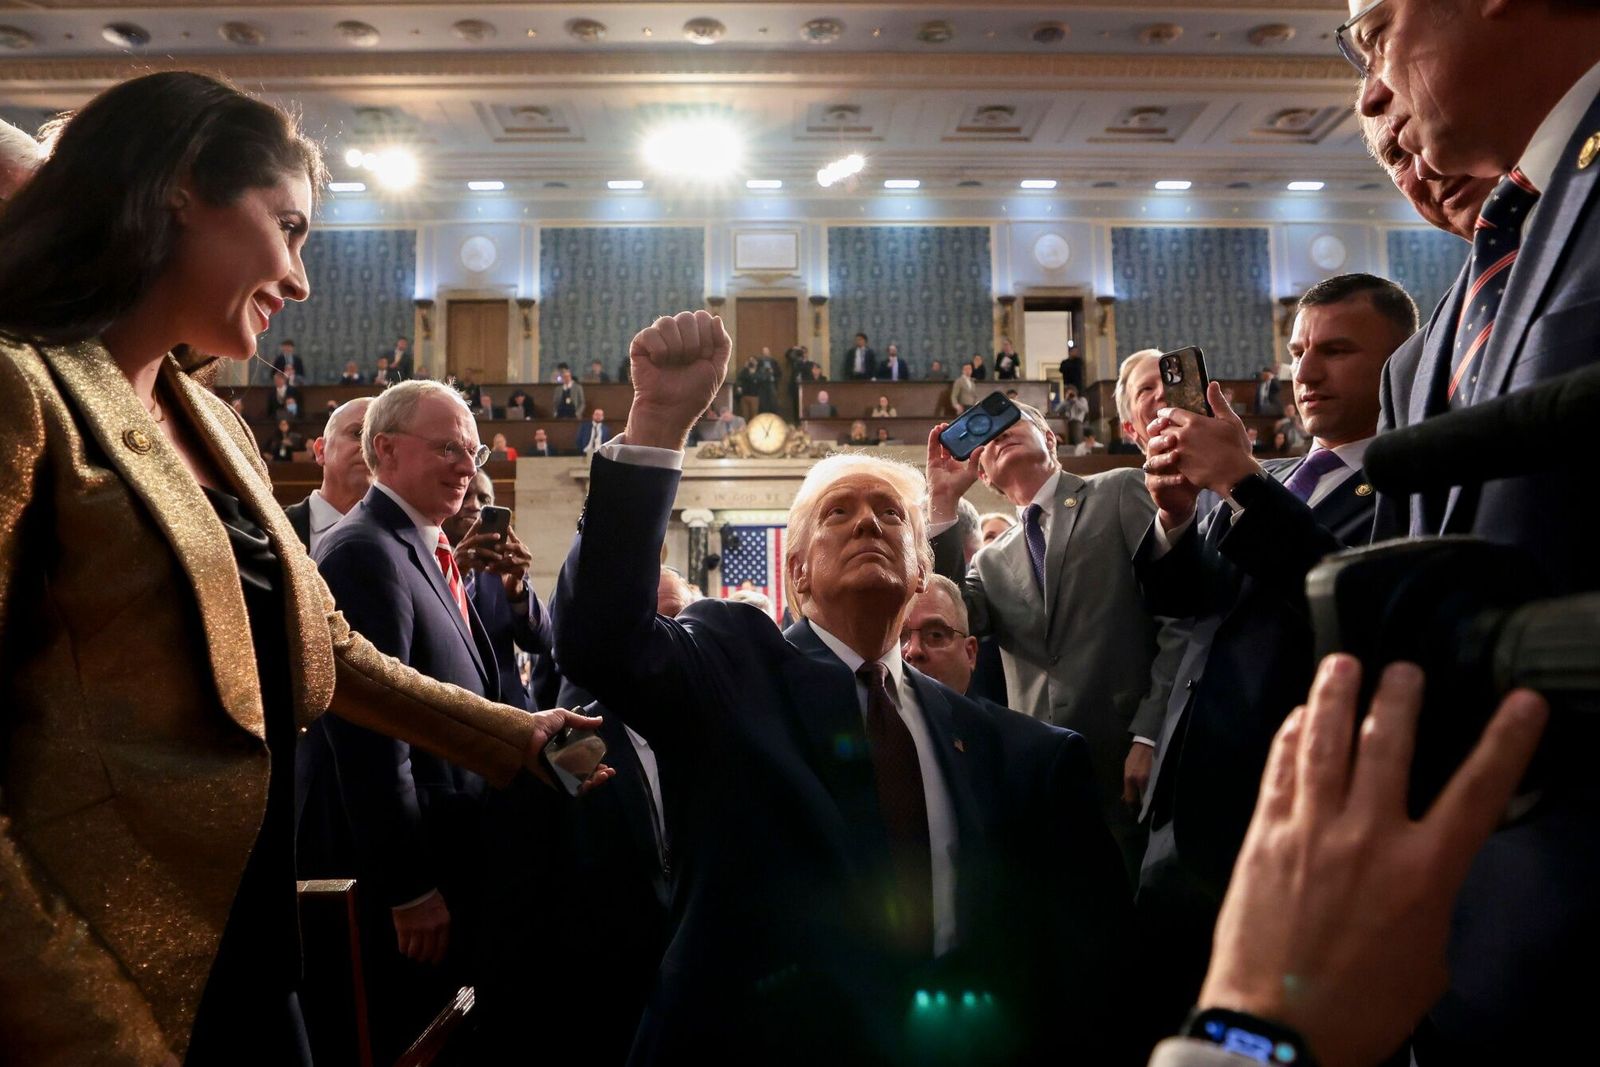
(1248, 1036)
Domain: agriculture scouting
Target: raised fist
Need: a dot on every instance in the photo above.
(678, 365)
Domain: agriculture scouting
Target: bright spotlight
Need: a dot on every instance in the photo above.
(840, 169)
(1173, 185)
(395, 169)
(1305, 187)
(701, 149)
(347, 187)
(353, 157)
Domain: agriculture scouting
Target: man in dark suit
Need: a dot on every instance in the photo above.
(496, 574)
(592, 434)
(847, 831)
(1509, 92)
(288, 364)
(1239, 572)
(1268, 393)
(284, 400)
(399, 357)
(400, 819)
(860, 362)
(345, 475)
(541, 444)
(893, 368)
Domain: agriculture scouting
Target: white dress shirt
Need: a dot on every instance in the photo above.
(942, 833)
(324, 517)
(652, 779)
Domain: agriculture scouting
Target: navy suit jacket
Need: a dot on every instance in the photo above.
(1250, 657)
(395, 809)
(1548, 324)
(779, 952)
(592, 863)
(898, 373)
(510, 627)
(1525, 917)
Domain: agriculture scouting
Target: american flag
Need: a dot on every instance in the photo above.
(757, 559)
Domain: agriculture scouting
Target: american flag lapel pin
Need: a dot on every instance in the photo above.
(961, 746)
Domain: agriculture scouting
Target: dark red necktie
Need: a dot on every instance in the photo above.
(898, 772)
(452, 576)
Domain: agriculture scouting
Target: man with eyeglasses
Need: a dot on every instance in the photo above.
(934, 637)
(1509, 91)
(396, 818)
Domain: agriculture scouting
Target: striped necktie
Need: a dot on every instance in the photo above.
(1495, 244)
(452, 576)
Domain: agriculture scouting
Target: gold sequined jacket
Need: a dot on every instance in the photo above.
(133, 763)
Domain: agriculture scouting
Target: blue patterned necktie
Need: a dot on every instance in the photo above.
(1495, 244)
(1034, 532)
(1303, 482)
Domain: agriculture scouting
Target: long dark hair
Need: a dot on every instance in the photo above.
(88, 235)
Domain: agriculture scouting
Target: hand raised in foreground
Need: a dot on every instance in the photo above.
(1336, 920)
(546, 725)
(678, 364)
(949, 478)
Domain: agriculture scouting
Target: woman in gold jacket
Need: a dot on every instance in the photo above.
(134, 755)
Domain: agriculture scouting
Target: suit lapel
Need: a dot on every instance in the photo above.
(1544, 245)
(822, 703)
(155, 473)
(1064, 517)
(422, 557)
(633, 794)
(942, 727)
(1433, 369)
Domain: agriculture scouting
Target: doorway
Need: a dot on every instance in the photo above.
(477, 340)
(1059, 322)
(772, 322)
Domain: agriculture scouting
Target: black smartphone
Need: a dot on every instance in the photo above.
(494, 520)
(980, 424)
(571, 757)
(1183, 376)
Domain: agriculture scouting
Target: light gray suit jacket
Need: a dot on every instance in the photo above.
(1086, 655)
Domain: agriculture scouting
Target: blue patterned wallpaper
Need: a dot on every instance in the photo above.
(927, 289)
(1425, 261)
(599, 286)
(1181, 286)
(362, 283)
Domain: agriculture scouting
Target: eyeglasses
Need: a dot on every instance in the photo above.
(450, 451)
(1352, 49)
(935, 638)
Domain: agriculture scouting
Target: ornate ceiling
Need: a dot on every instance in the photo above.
(553, 97)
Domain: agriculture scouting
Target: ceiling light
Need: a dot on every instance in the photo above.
(1306, 187)
(486, 187)
(353, 157)
(1173, 186)
(704, 149)
(624, 183)
(902, 183)
(763, 183)
(840, 169)
(1038, 183)
(394, 168)
(347, 187)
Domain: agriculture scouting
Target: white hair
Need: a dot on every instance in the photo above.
(906, 481)
(750, 596)
(1129, 365)
(394, 409)
(968, 523)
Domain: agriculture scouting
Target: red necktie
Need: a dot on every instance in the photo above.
(452, 576)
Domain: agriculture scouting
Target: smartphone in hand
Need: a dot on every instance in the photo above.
(1183, 377)
(494, 520)
(571, 757)
(980, 424)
